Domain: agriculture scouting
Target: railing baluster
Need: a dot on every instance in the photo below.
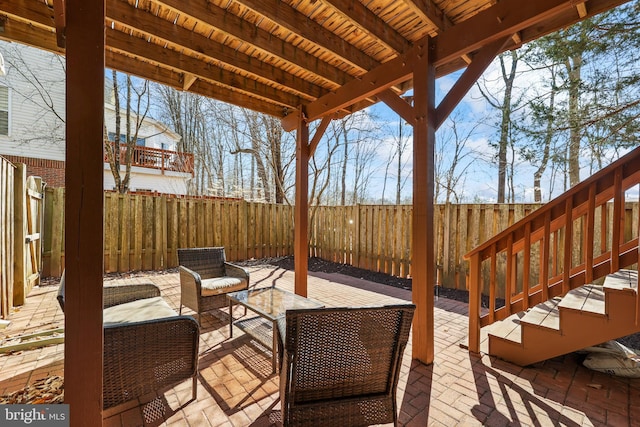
(526, 270)
(589, 240)
(568, 245)
(618, 212)
(544, 257)
(509, 274)
(556, 253)
(492, 285)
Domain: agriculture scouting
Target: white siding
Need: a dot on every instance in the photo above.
(144, 179)
(154, 133)
(34, 128)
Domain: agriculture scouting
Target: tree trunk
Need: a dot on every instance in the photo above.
(503, 144)
(574, 66)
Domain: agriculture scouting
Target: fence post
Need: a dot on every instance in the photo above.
(19, 218)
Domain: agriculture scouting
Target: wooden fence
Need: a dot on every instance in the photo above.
(20, 231)
(143, 232)
(378, 238)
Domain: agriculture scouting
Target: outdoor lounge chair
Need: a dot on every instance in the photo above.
(206, 278)
(147, 346)
(340, 366)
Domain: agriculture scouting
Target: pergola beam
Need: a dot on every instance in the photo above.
(285, 15)
(505, 18)
(317, 136)
(181, 38)
(13, 29)
(429, 11)
(29, 11)
(180, 62)
(375, 81)
(370, 23)
(399, 105)
(236, 27)
(118, 61)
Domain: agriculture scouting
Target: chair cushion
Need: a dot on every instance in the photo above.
(137, 311)
(222, 285)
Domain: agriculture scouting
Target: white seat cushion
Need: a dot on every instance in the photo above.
(222, 285)
(137, 311)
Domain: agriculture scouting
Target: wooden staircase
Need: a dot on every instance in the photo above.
(553, 282)
(586, 316)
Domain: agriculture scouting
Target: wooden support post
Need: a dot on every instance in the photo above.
(423, 257)
(84, 211)
(301, 213)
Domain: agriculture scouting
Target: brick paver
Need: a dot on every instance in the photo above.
(236, 386)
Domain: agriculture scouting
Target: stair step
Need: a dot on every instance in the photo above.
(508, 329)
(545, 314)
(589, 298)
(622, 280)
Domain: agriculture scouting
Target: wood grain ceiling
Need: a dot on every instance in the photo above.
(275, 56)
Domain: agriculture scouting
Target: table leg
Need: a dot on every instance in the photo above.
(274, 347)
(230, 318)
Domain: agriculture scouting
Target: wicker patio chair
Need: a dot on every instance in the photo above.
(206, 278)
(340, 366)
(147, 346)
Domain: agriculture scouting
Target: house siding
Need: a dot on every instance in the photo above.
(37, 132)
(34, 130)
(143, 179)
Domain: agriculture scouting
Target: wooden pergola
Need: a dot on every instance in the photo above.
(300, 60)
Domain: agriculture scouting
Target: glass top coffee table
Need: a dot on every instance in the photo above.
(269, 304)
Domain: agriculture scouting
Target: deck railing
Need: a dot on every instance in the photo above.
(579, 237)
(156, 158)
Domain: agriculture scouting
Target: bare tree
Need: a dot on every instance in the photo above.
(140, 104)
(397, 160)
(453, 158)
(505, 106)
(38, 82)
(355, 137)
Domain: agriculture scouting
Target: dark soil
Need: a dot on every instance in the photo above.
(320, 265)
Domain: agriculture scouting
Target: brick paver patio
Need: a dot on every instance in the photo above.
(236, 386)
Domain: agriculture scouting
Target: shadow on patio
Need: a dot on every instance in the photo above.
(236, 386)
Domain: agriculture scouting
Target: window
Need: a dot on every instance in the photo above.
(140, 142)
(4, 110)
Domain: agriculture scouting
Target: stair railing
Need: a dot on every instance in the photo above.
(581, 236)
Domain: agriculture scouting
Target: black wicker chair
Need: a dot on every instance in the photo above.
(152, 350)
(340, 366)
(206, 278)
